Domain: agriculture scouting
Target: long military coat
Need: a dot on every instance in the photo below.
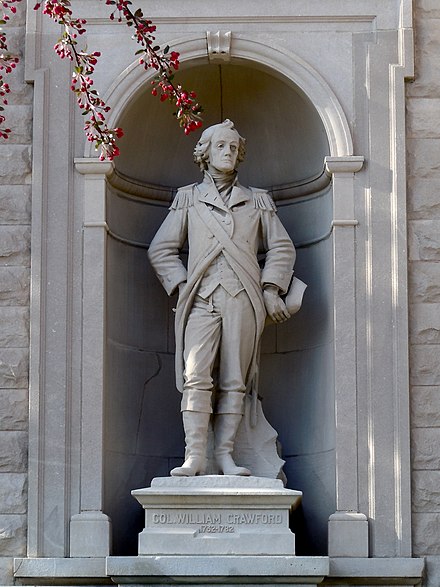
(246, 225)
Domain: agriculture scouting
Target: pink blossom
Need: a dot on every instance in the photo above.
(163, 61)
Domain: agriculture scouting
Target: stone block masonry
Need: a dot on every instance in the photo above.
(423, 158)
(15, 206)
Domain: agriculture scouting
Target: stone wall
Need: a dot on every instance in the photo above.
(423, 132)
(15, 200)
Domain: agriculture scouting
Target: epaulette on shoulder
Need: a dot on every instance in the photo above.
(183, 198)
(263, 201)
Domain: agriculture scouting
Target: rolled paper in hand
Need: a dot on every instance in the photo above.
(294, 296)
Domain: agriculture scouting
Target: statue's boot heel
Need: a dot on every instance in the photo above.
(191, 467)
(227, 466)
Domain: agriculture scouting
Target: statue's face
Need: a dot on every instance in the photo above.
(223, 151)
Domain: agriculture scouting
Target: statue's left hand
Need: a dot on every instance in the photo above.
(275, 306)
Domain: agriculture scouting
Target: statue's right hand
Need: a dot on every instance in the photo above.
(180, 288)
(275, 306)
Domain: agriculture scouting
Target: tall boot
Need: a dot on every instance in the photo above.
(195, 425)
(229, 412)
(225, 430)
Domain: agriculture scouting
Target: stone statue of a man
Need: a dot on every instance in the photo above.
(224, 294)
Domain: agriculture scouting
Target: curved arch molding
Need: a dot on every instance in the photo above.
(285, 63)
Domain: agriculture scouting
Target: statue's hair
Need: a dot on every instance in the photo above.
(201, 150)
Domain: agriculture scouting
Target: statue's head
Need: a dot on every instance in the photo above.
(203, 152)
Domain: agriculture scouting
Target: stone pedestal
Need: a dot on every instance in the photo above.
(348, 535)
(217, 515)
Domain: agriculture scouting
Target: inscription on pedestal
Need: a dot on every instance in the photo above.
(214, 522)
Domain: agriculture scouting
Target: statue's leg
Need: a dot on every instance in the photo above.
(202, 335)
(227, 420)
(236, 352)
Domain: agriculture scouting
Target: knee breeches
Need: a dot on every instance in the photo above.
(222, 326)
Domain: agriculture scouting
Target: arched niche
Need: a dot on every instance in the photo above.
(287, 144)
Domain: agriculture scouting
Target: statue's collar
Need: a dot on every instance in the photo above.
(209, 193)
(220, 179)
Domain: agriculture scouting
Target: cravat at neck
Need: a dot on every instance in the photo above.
(224, 182)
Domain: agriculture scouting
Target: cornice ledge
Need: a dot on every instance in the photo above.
(93, 166)
(282, 194)
(377, 571)
(347, 164)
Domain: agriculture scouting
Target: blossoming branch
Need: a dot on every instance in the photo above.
(7, 62)
(165, 62)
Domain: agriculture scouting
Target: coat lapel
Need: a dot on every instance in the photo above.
(208, 194)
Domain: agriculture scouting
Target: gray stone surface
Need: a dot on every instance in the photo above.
(423, 117)
(18, 20)
(19, 117)
(15, 216)
(15, 245)
(424, 157)
(432, 571)
(12, 535)
(14, 326)
(236, 570)
(224, 569)
(6, 569)
(13, 451)
(423, 200)
(426, 533)
(21, 93)
(348, 535)
(425, 406)
(424, 280)
(426, 448)
(423, 208)
(376, 571)
(15, 164)
(13, 493)
(215, 484)
(428, 9)
(424, 240)
(427, 56)
(217, 515)
(13, 368)
(424, 272)
(13, 409)
(56, 570)
(90, 535)
(14, 286)
(15, 204)
(425, 365)
(426, 491)
(425, 324)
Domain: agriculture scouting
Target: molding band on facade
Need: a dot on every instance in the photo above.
(345, 223)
